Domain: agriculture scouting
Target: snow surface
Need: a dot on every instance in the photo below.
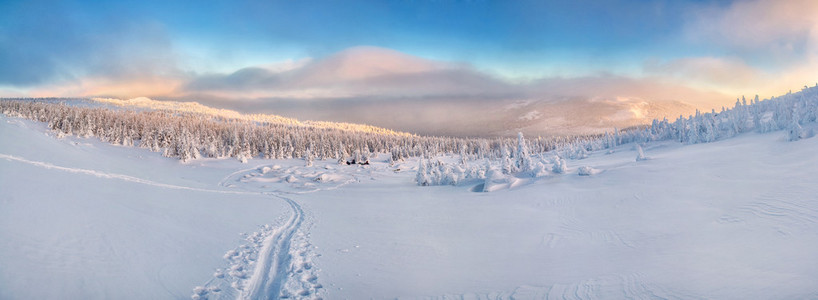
(79, 219)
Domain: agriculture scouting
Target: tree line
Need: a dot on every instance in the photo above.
(191, 135)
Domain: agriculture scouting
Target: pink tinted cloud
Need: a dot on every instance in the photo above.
(766, 47)
(759, 24)
(709, 72)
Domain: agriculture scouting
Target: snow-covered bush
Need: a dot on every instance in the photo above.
(587, 171)
(560, 166)
(494, 180)
(540, 170)
(440, 173)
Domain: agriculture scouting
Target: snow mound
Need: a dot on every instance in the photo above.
(587, 171)
(289, 176)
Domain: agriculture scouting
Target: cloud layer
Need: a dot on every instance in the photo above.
(352, 73)
(713, 53)
(761, 46)
(386, 88)
(741, 47)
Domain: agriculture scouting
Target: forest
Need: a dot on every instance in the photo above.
(195, 133)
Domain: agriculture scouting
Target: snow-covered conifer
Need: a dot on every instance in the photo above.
(640, 154)
(308, 157)
(422, 176)
(560, 165)
(795, 131)
(523, 160)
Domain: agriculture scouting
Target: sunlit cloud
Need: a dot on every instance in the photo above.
(100, 86)
(369, 72)
(355, 72)
(783, 29)
(709, 72)
(691, 55)
(391, 89)
(767, 47)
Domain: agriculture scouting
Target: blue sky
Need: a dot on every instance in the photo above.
(158, 48)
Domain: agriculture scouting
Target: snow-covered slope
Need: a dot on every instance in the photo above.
(84, 220)
(732, 219)
(735, 219)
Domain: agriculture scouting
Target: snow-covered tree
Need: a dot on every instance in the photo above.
(640, 154)
(422, 176)
(183, 134)
(523, 161)
(559, 165)
(308, 158)
(795, 131)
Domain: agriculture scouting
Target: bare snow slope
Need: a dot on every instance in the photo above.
(734, 219)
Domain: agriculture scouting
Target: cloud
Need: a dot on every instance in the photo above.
(652, 89)
(387, 88)
(759, 46)
(45, 51)
(388, 75)
(355, 72)
(780, 28)
(712, 72)
(563, 106)
(104, 87)
(364, 62)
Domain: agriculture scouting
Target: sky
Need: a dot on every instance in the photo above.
(696, 51)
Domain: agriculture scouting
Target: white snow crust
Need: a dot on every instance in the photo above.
(732, 219)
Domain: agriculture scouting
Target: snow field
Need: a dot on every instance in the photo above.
(732, 219)
(95, 234)
(727, 220)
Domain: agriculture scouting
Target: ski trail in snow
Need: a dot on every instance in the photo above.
(114, 176)
(276, 263)
(272, 253)
(272, 267)
(267, 178)
(224, 180)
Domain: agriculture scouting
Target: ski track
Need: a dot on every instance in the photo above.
(114, 176)
(224, 180)
(305, 181)
(276, 263)
(273, 261)
(269, 250)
